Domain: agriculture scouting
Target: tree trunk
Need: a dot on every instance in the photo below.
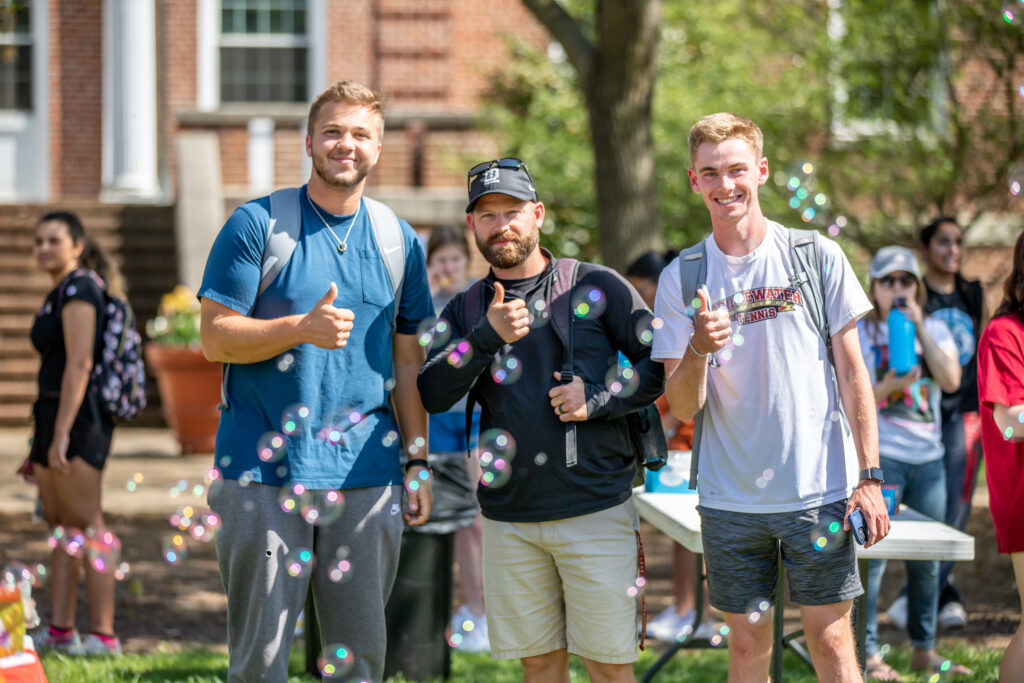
(617, 75)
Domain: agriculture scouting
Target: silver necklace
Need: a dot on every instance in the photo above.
(342, 243)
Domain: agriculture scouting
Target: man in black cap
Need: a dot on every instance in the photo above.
(560, 549)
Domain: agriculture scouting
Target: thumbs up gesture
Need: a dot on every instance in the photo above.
(711, 329)
(510, 320)
(326, 326)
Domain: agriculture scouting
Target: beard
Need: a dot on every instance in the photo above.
(509, 255)
(344, 180)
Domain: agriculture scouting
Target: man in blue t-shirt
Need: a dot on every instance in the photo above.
(321, 382)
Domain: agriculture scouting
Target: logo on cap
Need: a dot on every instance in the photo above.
(492, 176)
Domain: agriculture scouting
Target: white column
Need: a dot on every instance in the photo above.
(129, 99)
(261, 155)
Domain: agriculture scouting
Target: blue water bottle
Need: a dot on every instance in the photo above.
(901, 340)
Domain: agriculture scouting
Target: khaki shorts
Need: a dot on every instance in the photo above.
(570, 584)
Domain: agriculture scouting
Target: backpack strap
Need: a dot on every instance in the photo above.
(693, 272)
(562, 316)
(282, 235)
(805, 251)
(387, 233)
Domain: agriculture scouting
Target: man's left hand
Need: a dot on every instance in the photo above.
(868, 498)
(420, 495)
(569, 400)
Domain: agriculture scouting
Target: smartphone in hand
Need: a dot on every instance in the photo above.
(858, 527)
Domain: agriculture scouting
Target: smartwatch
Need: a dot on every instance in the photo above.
(873, 473)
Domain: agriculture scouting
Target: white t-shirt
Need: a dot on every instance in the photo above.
(909, 428)
(772, 440)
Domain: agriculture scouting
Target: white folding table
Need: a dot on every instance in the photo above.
(912, 537)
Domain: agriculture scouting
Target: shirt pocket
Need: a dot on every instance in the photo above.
(375, 282)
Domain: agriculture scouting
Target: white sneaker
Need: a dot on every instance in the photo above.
(897, 612)
(668, 625)
(952, 615)
(472, 629)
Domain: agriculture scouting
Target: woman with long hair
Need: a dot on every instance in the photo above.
(909, 440)
(72, 434)
(1001, 396)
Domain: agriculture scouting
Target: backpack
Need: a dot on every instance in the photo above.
(119, 377)
(646, 435)
(283, 234)
(806, 255)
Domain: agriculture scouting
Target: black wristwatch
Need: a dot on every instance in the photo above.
(874, 474)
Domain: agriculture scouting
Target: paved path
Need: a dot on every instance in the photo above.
(152, 453)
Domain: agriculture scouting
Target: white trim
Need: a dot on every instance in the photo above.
(260, 158)
(262, 40)
(207, 55)
(316, 33)
(25, 135)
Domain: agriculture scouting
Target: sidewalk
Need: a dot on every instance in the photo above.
(152, 453)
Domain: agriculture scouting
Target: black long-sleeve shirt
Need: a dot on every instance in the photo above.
(542, 487)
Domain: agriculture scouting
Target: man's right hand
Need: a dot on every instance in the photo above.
(711, 329)
(510, 320)
(326, 326)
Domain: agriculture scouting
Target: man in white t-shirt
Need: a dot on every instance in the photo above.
(776, 457)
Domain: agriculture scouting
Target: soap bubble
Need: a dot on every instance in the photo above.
(340, 421)
(271, 447)
(285, 362)
(322, 507)
(1016, 180)
(506, 369)
(433, 334)
(645, 330)
(335, 661)
(497, 448)
(622, 381)
(294, 498)
(299, 562)
(175, 549)
(540, 313)
(589, 302)
(459, 353)
(294, 419)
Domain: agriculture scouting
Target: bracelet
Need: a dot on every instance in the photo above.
(417, 462)
(694, 349)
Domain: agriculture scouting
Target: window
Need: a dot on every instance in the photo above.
(888, 64)
(15, 56)
(264, 51)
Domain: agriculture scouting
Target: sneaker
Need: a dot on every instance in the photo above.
(952, 615)
(897, 612)
(94, 645)
(472, 629)
(68, 643)
(668, 625)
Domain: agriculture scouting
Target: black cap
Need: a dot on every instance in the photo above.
(500, 176)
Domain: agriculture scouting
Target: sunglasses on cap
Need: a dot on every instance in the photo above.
(504, 162)
(905, 280)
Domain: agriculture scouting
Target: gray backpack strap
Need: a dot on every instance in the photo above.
(805, 251)
(282, 236)
(693, 272)
(387, 233)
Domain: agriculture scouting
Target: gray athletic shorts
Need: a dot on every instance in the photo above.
(742, 560)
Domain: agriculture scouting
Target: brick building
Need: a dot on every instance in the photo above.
(155, 118)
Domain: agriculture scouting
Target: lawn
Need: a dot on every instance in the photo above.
(701, 666)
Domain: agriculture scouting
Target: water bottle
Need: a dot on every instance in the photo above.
(901, 340)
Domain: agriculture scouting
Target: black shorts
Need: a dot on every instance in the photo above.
(90, 437)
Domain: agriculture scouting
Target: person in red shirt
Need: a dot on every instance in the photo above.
(677, 620)
(1001, 399)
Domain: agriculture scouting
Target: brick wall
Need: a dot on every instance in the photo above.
(76, 98)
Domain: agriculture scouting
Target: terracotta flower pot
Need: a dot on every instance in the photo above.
(189, 388)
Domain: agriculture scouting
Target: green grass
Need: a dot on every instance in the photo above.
(697, 666)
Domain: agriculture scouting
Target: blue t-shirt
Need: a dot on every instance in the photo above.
(317, 417)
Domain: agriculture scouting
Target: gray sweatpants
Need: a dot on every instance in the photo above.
(264, 599)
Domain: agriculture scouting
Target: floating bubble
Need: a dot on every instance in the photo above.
(245, 478)
(827, 535)
(794, 202)
(134, 482)
(807, 168)
(418, 444)
(294, 419)
(294, 498)
(540, 313)
(339, 422)
(102, 549)
(802, 193)
(622, 381)
(340, 571)
(271, 447)
(336, 660)
(212, 521)
(645, 330)
(1016, 181)
(433, 334)
(540, 459)
(793, 183)
(658, 323)
(389, 384)
(738, 339)
(456, 640)
(807, 215)
(322, 507)
(285, 362)
(768, 474)
(841, 221)
(175, 549)
(122, 571)
(459, 353)
(589, 302)
(390, 439)
(1008, 433)
(69, 539)
(506, 369)
(299, 562)
(1011, 14)
(497, 449)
